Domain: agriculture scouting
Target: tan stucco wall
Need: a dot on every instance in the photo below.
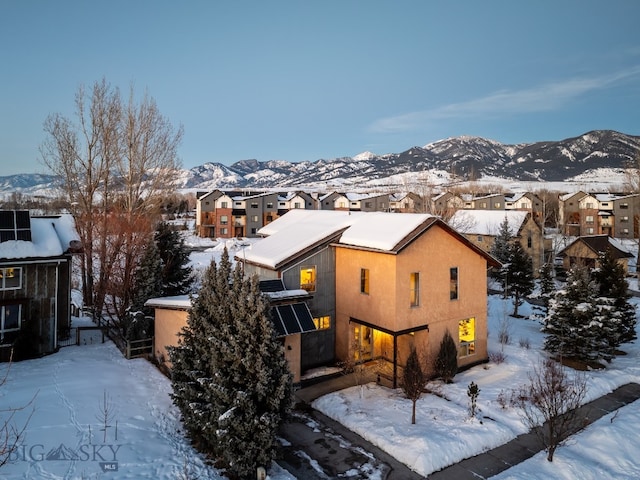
(169, 322)
(167, 325)
(388, 305)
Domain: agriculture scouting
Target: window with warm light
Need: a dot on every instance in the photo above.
(467, 336)
(414, 289)
(10, 278)
(453, 283)
(364, 280)
(322, 323)
(308, 278)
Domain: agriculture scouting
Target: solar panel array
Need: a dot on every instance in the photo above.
(15, 225)
(293, 318)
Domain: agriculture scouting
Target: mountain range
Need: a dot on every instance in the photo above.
(454, 159)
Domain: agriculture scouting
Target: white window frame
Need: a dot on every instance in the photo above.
(17, 271)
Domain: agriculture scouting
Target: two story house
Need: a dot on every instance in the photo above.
(35, 282)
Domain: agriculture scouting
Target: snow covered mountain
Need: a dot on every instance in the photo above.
(452, 159)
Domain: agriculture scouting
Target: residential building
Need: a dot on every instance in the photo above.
(35, 282)
(586, 250)
(408, 202)
(481, 227)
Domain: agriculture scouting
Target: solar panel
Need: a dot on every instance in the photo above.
(277, 322)
(289, 319)
(304, 316)
(15, 225)
(271, 285)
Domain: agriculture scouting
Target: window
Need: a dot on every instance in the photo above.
(297, 205)
(523, 206)
(589, 219)
(529, 241)
(367, 204)
(624, 219)
(496, 205)
(224, 219)
(625, 231)
(308, 278)
(254, 205)
(364, 280)
(269, 204)
(453, 283)
(605, 204)
(467, 336)
(253, 231)
(224, 205)
(483, 205)
(624, 206)
(237, 204)
(254, 218)
(9, 319)
(414, 289)
(10, 278)
(269, 218)
(480, 238)
(590, 231)
(589, 205)
(322, 323)
(223, 231)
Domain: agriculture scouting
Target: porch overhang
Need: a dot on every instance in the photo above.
(395, 334)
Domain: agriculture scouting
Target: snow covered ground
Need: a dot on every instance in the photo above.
(65, 438)
(444, 433)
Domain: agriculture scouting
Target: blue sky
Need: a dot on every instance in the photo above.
(298, 80)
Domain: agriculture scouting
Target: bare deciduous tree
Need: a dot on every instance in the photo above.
(549, 403)
(10, 433)
(115, 163)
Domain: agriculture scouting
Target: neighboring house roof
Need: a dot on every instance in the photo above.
(487, 222)
(300, 230)
(599, 244)
(50, 237)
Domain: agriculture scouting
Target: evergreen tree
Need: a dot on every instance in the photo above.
(237, 392)
(446, 365)
(148, 278)
(176, 274)
(413, 381)
(614, 294)
(500, 250)
(547, 285)
(519, 275)
(574, 325)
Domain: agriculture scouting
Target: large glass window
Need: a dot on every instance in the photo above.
(224, 219)
(364, 280)
(414, 289)
(308, 278)
(453, 283)
(10, 318)
(467, 336)
(10, 278)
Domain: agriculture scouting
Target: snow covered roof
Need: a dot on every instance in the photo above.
(487, 222)
(599, 244)
(175, 302)
(50, 237)
(299, 230)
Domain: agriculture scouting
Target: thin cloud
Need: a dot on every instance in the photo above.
(543, 98)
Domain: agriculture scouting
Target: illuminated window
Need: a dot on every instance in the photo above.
(308, 278)
(453, 283)
(322, 323)
(467, 336)
(9, 319)
(10, 278)
(364, 280)
(414, 289)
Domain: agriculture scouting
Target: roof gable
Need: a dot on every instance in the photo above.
(599, 244)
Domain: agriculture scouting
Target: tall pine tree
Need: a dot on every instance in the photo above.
(547, 285)
(176, 273)
(614, 294)
(574, 325)
(500, 250)
(237, 392)
(519, 275)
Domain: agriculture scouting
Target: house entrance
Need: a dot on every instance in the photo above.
(363, 343)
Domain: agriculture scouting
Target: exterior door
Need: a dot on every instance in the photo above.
(364, 343)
